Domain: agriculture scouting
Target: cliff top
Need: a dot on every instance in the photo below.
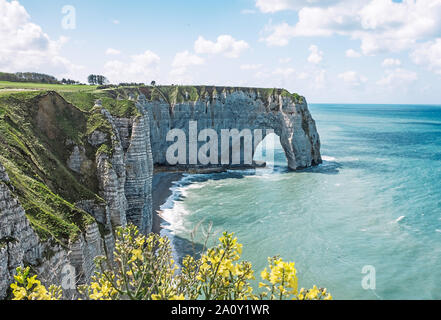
(179, 93)
(120, 100)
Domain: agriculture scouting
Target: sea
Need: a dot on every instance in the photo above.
(365, 224)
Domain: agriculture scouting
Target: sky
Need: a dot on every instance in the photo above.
(330, 51)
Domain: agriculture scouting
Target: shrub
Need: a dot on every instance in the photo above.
(143, 269)
(29, 288)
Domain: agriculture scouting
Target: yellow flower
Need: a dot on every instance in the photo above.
(140, 241)
(264, 274)
(313, 293)
(32, 281)
(19, 293)
(94, 286)
(216, 275)
(137, 254)
(96, 295)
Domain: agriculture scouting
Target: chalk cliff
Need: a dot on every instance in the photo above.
(221, 108)
(70, 172)
(20, 245)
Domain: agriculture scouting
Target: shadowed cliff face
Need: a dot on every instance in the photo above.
(249, 109)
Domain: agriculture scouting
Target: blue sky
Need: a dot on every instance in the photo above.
(344, 51)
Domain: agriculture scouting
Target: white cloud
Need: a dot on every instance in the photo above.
(380, 25)
(183, 60)
(303, 76)
(112, 51)
(17, 32)
(390, 62)
(429, 54)
(248, 11)
(261, 75)
(397, 77)
(225, 45)
(316, 56)
(250, 66)
(351, 53)
(285, 60)
(271, 6)
(352, 78)
(284, 72)
(115, 22)
(278, 35)
(320, 79)
(25, 47)
(141, 68)
(312, 22)
(146, 59)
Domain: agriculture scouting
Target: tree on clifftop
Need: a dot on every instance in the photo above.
(95, 79)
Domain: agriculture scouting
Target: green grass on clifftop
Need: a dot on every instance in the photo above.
(82, 96)
(10, 86)
(180, 94)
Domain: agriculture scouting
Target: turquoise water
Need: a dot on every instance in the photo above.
(376, 200)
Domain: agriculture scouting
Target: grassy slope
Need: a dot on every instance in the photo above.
(43, 86)
(34, 151)
(82, 96)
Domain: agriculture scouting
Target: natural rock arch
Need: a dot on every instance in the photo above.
(288, 117)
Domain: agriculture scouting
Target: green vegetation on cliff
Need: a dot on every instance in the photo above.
(117, 105)
(7, 86)
(39, 130)
(120, 100)
(27, 77)
(180, 94)
(37, 135)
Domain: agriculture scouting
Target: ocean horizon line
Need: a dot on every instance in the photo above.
(376, 104)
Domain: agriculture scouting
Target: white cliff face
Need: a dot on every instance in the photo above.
(240, 110)
(18, 241)
(126, 177)
(20, 245)
(139, 175)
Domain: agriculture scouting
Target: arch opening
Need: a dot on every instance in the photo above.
(270, 152)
